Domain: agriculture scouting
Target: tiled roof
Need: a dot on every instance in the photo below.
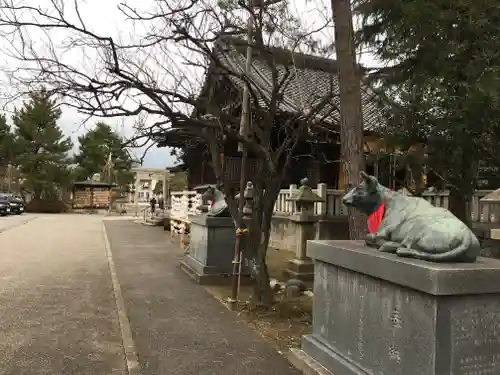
(311, 79)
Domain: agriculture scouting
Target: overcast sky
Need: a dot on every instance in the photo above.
(104, 17)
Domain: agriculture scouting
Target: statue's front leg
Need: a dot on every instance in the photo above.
(379, 238)
(389, 247)
(371, 240)
(376, 239)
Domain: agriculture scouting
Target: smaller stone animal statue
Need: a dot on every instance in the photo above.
(218, 205)
(412, 227)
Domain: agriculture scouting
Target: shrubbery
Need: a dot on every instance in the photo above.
(47, 206)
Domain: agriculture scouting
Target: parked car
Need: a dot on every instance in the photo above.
(4, 206)
(16, 203)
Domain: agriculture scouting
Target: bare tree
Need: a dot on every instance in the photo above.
(156, 74)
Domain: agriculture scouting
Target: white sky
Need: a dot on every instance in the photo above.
(104, 18)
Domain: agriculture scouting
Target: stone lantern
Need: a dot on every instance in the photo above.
(248, 197)
(304, 199)
(489, 212)
(304, 220)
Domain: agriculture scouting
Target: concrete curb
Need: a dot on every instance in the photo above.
(131, 357)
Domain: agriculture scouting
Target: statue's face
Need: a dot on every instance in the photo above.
(366, 197)
(209, 194)
(218, 205)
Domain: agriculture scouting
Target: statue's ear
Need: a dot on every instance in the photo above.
(365, 176)
(369, 180)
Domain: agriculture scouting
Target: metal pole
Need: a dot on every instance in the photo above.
(245, 102)
(244, 130)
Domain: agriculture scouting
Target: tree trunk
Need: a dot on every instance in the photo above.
(262, 293)
(351, 120)
(259, 241)
(460, 199)
(37, 193)
(460, 206)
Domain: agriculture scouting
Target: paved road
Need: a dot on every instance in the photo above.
(178, 328)
(59, 315)
(57, 311)
(7, 222)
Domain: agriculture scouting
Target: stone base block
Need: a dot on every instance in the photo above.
(300, 269)
(305, 363)
(377, 313)
(205, 275)
(211, 250)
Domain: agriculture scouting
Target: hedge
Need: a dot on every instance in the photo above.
(46, 206)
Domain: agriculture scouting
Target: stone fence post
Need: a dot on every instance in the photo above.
(290, 206)
(322, 193)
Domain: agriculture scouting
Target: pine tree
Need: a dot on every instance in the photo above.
(95, 147)
(443, 79)
(42, 148)
(7, 144)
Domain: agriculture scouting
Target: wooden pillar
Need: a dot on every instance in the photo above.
(341, 178)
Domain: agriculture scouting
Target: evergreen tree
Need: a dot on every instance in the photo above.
(7, 144)
(95, 147)
(42, 148)
(443, 79)
(7, 151)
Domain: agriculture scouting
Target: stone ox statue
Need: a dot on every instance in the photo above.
(411, 226)
(218, 206)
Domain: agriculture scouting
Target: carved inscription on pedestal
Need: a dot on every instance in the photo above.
(397, 324)
(361, 329)
(476, 340)
(374, 325)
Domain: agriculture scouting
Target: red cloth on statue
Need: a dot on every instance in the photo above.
(375, 218)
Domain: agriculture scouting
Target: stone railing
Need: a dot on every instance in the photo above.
(184, 203)
(483, 212)
(330, 207)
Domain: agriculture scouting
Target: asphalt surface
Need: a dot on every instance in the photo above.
(177, 327)
(11, 221)
(57, 309)
(59, 315)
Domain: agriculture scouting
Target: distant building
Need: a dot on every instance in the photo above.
(91, 194)
(145, 182)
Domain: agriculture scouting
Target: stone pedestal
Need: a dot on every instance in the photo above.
(376, 313)
(301, 267)
(210, 254)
